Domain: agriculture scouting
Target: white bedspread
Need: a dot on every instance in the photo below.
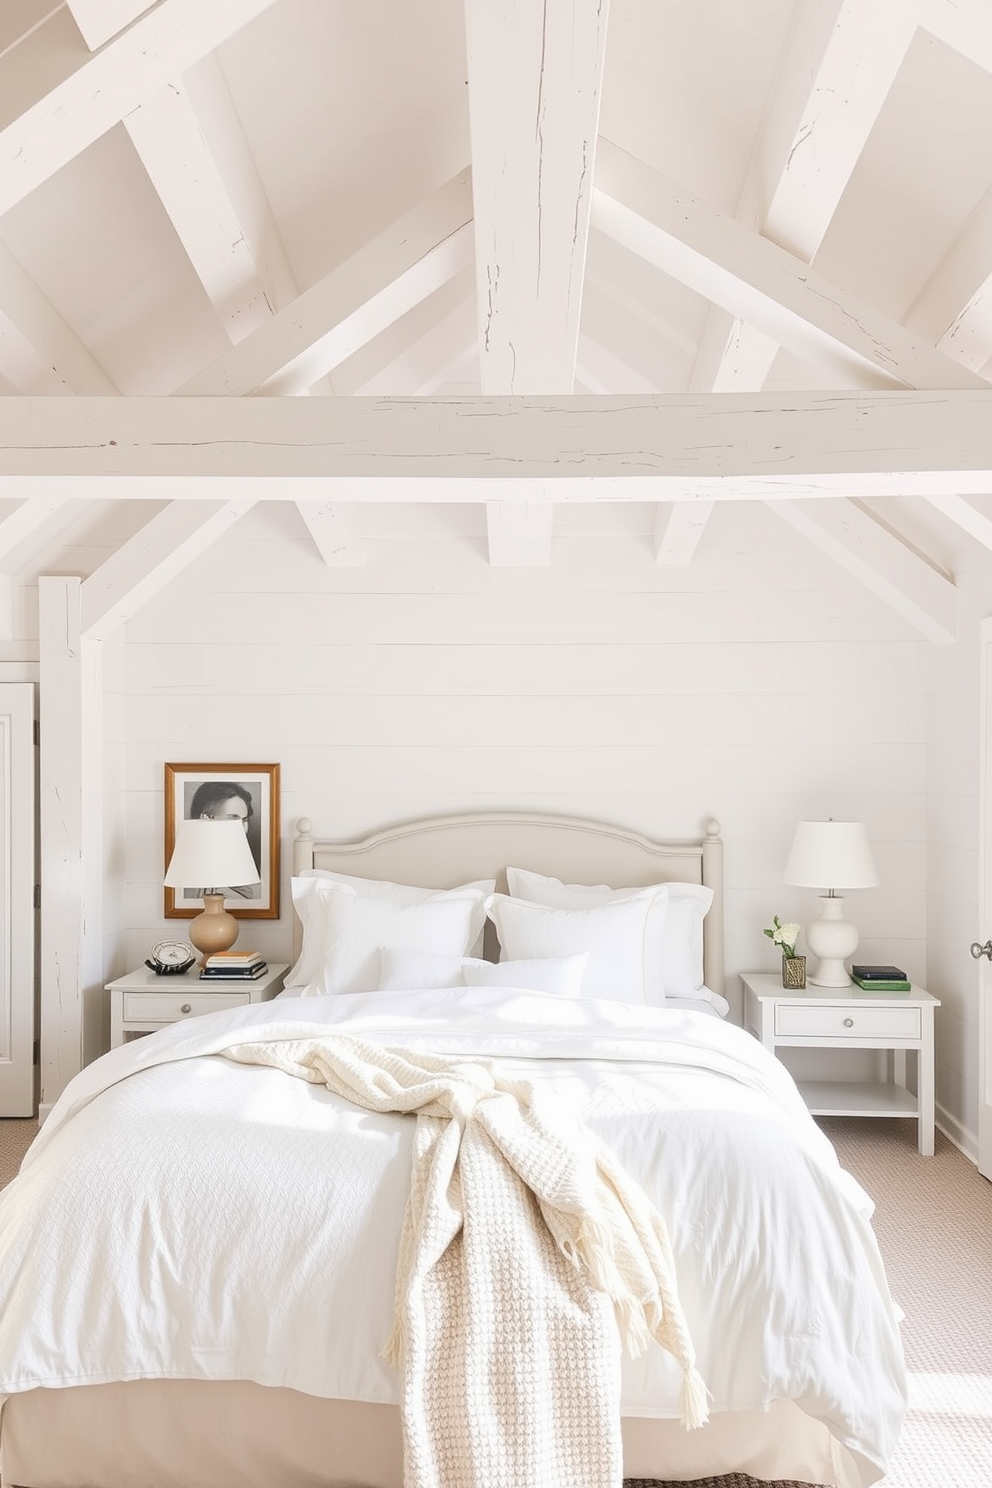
(180, 1216)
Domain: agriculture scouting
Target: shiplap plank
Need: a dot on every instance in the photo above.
(650, 448)
(671, 720)
(519, 536)
(572, 620)
(535, 77)
(104, 87)
(342, 669)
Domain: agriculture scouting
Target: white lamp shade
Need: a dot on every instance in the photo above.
(210, 853)
(831, 855)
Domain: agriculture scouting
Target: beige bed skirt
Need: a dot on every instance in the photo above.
(193, 1434)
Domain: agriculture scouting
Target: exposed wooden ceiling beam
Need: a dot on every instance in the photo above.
(336, 532)
(66, 364)
(754, 446)
(99, 20)
(762, 283)
(535, 77)
(149, 560)
(842, 58)
(678, 529)
(961, 24)
(22, 523)
(167, 135)
(352, 304)
(863, 547)
(97, 91)
(965, 516)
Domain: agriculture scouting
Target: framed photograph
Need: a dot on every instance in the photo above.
(247, 793)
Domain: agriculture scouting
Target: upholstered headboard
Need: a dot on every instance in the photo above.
(440, 852)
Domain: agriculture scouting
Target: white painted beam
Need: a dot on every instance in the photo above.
(850, 536)
(99, 20)
(839, 66)
(535, 77)
(58, 348)
(520, 534)
(167, 135)
(678, 529)
(104, 87)
(354, 302)
(731, 446)
(760, 282)
(336, 532)
(967, 517)
(961, 24)
(24, 521)
(143, 565)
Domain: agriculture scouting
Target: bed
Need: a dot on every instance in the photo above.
(193, 1293)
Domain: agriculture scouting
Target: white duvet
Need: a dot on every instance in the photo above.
(180, 1216)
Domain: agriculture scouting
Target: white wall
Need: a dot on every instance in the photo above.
(758, 685)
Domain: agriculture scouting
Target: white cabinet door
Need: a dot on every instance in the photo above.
(17, 914)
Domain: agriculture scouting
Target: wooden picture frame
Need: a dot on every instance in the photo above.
(252, 786)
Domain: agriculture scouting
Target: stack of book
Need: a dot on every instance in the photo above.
(241, 966)
(880, 978)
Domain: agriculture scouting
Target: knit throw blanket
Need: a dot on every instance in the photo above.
(527, 1259)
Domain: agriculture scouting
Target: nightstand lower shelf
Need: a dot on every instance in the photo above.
(857, 1098)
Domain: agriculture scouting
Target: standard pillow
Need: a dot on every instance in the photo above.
(675, 936)
(560, 975)
(413, 971)
(309, 908)
(355, 928)
(612, 934)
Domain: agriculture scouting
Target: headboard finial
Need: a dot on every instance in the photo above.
(712, 827)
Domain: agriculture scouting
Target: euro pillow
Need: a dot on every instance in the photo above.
(354, 929)
(675, 936)
(562, 976)
(309, 909)
(612, 934)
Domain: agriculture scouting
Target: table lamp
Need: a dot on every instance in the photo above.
(211, 852)
(834, 853)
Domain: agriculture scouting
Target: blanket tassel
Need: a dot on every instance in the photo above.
(693, 1406)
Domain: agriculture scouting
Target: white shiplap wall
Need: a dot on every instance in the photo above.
(757, 685)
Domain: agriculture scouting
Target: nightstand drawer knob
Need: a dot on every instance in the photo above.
(848, 1022)
(185, 1008)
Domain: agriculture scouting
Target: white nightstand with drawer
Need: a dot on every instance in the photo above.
(142, 1000)
(848, 1018)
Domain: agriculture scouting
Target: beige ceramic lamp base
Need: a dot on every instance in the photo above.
(215, 929)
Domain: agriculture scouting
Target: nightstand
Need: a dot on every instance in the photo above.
(143, 1001)
(848, 1018)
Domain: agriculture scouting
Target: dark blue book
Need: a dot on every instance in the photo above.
(879, 973)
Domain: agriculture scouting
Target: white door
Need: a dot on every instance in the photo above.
(984, 927)
(17, 915)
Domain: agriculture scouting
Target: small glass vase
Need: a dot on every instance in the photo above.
(794, 972)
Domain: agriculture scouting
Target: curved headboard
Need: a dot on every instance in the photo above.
(442, 851)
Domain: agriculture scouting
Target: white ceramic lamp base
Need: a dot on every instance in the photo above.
(832, 939)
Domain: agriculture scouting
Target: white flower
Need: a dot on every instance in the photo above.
(784, 936)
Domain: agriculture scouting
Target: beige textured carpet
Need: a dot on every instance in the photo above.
(933, 1220)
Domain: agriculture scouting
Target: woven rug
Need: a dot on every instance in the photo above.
(727, 1480)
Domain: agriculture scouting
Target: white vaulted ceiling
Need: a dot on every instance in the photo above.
(692, 250)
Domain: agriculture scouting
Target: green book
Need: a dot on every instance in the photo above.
(874, 984)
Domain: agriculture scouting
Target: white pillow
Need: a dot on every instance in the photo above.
(560, 975)
(613, 935)
(356, 927)
(675, 935)
(309, 908)
(412, 971)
